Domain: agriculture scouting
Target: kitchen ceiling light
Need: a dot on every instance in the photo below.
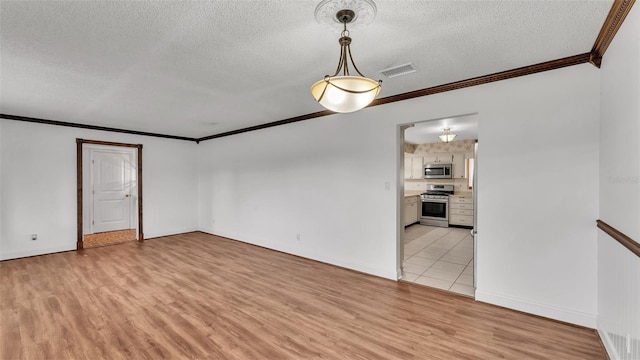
(343, 92)
(447, 135)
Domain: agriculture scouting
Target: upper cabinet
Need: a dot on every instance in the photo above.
(459, 166)
(437, 158)
(413, 167)
(469, 163)
(459, 154)
(414, 164)
(417, 167)
(407, 166)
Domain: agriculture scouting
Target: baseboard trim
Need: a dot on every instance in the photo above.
(149, 236)
(608, 345)
(391, 275)
(56, 249)
(36, 252)
(544, 310)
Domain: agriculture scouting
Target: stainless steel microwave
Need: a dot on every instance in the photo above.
(437, 171)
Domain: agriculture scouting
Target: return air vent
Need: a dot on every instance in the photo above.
(398, 70)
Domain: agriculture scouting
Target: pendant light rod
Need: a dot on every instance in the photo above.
(343, 92)
(345, 16)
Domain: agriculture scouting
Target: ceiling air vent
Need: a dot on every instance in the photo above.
(398, 70)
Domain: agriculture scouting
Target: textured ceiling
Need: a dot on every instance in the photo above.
(198, 68)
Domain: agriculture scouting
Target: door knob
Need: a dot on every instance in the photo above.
(126, 195)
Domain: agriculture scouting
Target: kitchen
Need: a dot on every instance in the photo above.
(439, 210)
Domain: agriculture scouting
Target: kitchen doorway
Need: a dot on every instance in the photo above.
(440, 256)
(109, 188)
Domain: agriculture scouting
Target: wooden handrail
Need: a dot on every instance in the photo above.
(623, 239)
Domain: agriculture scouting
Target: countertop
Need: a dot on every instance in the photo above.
(410, 193)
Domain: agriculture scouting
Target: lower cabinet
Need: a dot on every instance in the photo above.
(461, 210)
(411, 204)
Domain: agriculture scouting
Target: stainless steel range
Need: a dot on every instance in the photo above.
(435, 205)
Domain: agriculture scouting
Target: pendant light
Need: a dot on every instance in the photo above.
(343, 92)
(447, 135)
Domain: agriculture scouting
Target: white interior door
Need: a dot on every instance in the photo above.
(111, 174)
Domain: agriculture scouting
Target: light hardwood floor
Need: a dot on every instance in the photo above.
(197, 296)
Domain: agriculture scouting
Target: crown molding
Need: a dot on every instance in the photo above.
(91, 127)
(503, 75)
(619, 11)
(485, 79)
(268, 125)
(480, 80)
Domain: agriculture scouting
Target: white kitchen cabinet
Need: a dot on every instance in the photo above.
(410, 209)
(468, 157)
(430, 158)
(463, 220)
(412, 167)
(417, 167)
(461, 210)
(459, 166)
(442, 158)
(407, 166)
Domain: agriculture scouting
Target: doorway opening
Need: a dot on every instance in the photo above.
(109, 193)
(439, 254)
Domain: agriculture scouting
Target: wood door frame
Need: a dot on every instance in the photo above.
(79, 179)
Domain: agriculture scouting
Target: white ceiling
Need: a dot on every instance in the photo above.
(197, 68)
(426, 132)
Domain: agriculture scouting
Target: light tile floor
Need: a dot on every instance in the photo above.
(439, 257)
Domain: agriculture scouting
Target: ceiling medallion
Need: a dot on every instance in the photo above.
(364, 10)
(343, 92)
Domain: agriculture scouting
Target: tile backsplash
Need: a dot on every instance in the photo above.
(459, 185)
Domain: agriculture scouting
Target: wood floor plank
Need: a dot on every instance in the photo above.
(198, 296)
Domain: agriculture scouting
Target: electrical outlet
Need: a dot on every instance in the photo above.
(213, 221)
(298, 236)
(34, 236)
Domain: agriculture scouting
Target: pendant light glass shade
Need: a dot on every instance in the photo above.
(447, 135)
(345, 94)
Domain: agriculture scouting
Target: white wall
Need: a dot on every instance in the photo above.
(618, 268)
(38, 177)
(537, 247)
(266, 187)
(325, 180)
